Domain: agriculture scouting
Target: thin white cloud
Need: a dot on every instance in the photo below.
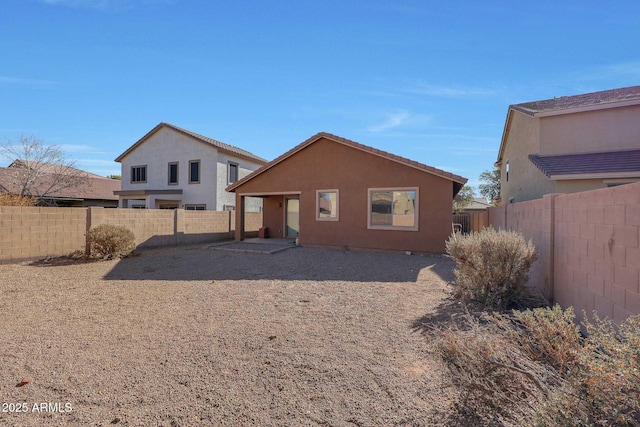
(400, 119)
(78, 148)
(103, 4)
(453, 91)
(22, 80)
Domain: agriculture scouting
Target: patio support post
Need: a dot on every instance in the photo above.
(239, 231)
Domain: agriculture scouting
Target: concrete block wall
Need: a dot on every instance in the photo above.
(34, 232)
(38, 232)
(203, 226)
(151, 227)
(588, 245)
(597, 251)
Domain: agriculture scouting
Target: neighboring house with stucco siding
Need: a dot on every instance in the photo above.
(174, 168)
(570, 144)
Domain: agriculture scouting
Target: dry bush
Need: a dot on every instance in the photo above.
(108, 241)
(492, 268)
(551, 336)
(8, 199)
(497, 380)
(534, 368)
(610, 371)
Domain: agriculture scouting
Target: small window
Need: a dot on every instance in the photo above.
(233, 173)
(195, 207)
(506, 169)
(393, 209)
(327, 205)
(173, 173)
(194, 172)
(138, 174)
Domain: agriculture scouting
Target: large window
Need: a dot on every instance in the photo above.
(327, 205)
(393, 208)
(233, 173)
(138, 174)
(195, 207)
(173, 173)
(194, 171)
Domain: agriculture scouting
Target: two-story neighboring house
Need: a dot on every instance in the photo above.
(570, 144)
(172, 168)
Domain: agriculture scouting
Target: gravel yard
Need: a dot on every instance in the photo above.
(194, 336)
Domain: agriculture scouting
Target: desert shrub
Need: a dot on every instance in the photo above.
(551, 336)
(108, 241)
(610, 371)
(498, 382)
(492, 267)
(8, 199)
(534, 368)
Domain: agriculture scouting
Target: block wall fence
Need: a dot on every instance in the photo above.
(37, 232)
(588, 247)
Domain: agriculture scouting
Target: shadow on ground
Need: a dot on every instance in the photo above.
(300, 263)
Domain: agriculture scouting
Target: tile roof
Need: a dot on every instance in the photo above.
(412, 163)
(91, 187)
(588, 163)
(210, 141)
(579, 101)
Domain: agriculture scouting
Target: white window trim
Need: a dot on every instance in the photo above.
(416, 214)
(337, 217)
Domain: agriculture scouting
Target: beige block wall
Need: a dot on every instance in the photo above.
(38, 232)
(597, 255)
(151, 227)
(588, 244)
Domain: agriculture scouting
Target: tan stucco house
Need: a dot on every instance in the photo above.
(570, 144)
(61, 186)
(330, 191)
(171, 167)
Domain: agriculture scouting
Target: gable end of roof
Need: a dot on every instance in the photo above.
(230, 149)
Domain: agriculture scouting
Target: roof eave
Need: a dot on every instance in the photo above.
(446, 175)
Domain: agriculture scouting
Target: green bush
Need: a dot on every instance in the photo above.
(108, 241)
(492, 267)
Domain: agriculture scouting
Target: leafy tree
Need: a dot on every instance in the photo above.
(490, 185)
(118, 177)
(37, 171)
(463, 199)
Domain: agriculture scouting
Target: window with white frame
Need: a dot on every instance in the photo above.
(327, 202)
(138, 174)
(393, 208)
(232, 175)
(194, 171)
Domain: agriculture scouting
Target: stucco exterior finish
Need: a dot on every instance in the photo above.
(327, 164)
(166, 146)
(590, 131)
(595, 128)
(526, 181)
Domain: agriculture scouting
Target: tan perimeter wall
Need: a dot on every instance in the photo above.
(588, 246)
(38, 232)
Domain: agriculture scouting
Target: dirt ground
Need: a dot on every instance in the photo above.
(194, 336)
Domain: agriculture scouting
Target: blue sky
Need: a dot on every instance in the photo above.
(428, 80)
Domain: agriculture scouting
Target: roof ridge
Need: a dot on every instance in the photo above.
(565, 102)
(353, 144)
